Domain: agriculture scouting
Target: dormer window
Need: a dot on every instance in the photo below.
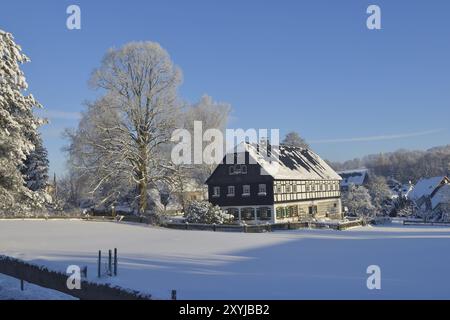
(237, 169)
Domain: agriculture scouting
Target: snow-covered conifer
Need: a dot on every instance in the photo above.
(35, 167)
(18, 127)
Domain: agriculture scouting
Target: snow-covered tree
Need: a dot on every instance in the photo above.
(205, 212)
(358, 201)
(293, 139)
(212, 115)
(120, 140)
(35, 167)
(380, 194)
(18, 128)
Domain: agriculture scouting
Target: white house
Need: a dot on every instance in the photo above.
(357, 177)
(425, 189)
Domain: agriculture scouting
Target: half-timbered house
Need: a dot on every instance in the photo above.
(293, 184)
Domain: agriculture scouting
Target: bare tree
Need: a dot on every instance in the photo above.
(120, 140)
(212, 115)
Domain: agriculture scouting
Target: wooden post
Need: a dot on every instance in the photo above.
(21, 285)
(110, 262)
(174, 294)
(99, 263)
(84, 272)
(115, 261)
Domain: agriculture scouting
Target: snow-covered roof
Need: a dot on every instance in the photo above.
(425, 187)
(441, 196)
(289, 162)
(355, 177)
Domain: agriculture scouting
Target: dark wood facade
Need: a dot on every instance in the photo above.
(282, 199)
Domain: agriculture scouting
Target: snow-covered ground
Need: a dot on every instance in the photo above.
(301, 264)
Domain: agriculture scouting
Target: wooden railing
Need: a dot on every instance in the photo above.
(46, 278)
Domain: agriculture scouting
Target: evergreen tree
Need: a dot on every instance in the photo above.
(35, 167)
(18, 128)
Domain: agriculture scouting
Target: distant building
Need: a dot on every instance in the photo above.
(425, 189)
(304, 186)
(357, 177)
(440, 202)
(194, 191)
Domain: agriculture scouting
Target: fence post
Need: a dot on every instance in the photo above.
(110, 262)
(115, 261)
(99, 263)
(21, 285)
(174, 294)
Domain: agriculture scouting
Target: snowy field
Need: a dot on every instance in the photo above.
(301, 264)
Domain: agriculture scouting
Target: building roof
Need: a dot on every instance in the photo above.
(441, 196)
(425, 187)
(356, 177)
(290, 163)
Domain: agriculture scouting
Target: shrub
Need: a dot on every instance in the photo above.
(205, 212)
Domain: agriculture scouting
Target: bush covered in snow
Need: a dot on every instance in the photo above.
(205, 212)
(358, 201)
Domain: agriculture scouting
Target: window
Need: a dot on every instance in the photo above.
(262, 189)
(247, 214)
(279, 189)
(234, 212)
(237, 169)
(216, 192)
(312, 210)
(288, 188)
(230, 191)
(246, 190)
(279, 213)
(263, 213)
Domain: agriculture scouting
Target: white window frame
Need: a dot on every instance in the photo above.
(216, 194)
(229, 194)
(264, 192)
(245, 194)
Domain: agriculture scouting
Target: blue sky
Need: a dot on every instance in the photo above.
(309, 66)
